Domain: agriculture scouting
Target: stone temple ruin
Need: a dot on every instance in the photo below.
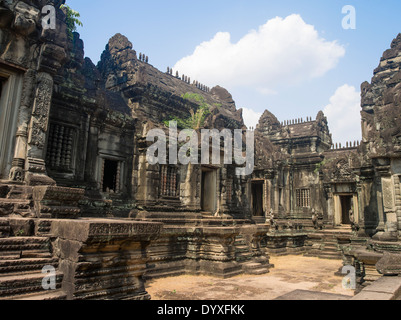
(78, 196)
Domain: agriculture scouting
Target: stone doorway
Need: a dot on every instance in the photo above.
(10, 96)
(346, 206)
(110, 176)
(257, 199)
(209, 190)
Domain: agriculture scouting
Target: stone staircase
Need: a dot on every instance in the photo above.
(244, 256)
(16, 199)
(242, 252)
(21, 262)
(328, 244)
(330, 250)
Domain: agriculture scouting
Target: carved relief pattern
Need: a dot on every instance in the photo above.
(41, 111)
(343, 171)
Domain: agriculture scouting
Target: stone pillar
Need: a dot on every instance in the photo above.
(50, 59)
(267, 196)
(330, 205)
(379, 195)
(391, 226)
(92, 152)
(276, 194)
(224, 195)
(397, 187)
(361, 211)
(35, 166)
(21, 140)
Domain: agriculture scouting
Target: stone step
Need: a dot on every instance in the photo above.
(242, 248)
(22, 284)
(24, 244)
(251, 265)
(43, 228)
(52, 295)
(258, 272)
(20, 192)
(26, 265)
(331, 244)
(10, 255)
(5, 228)
(36, 254)
(255, 268)
(243, 259)
(329, 256)
(163, 274)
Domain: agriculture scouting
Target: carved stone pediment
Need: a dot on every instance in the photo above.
(343, 171)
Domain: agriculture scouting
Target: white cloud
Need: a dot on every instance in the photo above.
(281, 52)
(344, 115)
(251, 118)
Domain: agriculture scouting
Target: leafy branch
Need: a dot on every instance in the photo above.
(71, 20)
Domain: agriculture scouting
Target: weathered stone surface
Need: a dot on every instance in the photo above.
(384, 289)
(57, 202)
(389, 265)
(103, 259)
(303, 295)
(80, 149)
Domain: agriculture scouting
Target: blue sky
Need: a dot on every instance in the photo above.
(323, 71)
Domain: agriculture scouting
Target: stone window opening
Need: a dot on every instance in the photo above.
(111, 176)
(169, 181)
(303, 198)
(60, 147)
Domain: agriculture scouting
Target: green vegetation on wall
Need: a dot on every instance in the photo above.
(198, 116)
(71, 20)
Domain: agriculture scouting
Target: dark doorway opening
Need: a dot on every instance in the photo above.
(209, 191)
(2, 81)
(346, 206)
(257, 199)
(110, 176)
(2, 85)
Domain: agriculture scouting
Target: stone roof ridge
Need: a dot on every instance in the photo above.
(187, 79)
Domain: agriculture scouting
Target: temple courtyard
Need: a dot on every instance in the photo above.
(293, 278)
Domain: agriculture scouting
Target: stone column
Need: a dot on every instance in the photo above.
(276, 193)
(379, 195)
(330, 205)
(21, 140)
(397, 186)
(267, 196)
(361, 211)
(35, 165)
(50, 59)
(92, 153)
(391, 225)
